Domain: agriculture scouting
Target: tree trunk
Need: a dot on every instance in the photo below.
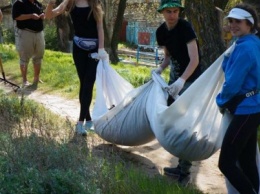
(108, 23)
(206, 21)
(117, 29)
(252, 2)
(221, 3)
(112, 29)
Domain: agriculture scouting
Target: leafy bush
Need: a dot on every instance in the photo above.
(9, 36)
(51, 37)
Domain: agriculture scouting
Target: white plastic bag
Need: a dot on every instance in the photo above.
(190, 127)
(126, 123)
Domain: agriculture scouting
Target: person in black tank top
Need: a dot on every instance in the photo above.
(87, 19)
(179, 42)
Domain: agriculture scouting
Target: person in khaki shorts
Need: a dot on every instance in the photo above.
(30, 42)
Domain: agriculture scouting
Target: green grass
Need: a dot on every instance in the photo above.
(39, 153)
(59, 73)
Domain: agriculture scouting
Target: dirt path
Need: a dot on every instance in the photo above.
(205, 174)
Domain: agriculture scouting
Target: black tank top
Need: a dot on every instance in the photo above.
(84, 26)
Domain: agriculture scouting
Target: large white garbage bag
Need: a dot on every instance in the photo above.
(191, 127)
(126, 123)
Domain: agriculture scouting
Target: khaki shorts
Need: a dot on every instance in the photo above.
(30, 45)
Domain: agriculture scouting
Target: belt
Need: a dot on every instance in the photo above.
(252, 93)
(29, 30)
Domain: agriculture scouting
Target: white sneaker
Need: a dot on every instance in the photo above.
(89, 126)
(80, 129)
(25, 84)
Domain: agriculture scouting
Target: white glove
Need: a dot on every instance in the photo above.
(158, 70)
(176, 87)
(102, 54)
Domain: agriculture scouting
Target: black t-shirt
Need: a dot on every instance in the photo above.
(26, 7)
(84, 26)
(175, 40)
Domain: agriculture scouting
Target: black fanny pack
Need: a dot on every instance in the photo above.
(87, 44)
(232, 104)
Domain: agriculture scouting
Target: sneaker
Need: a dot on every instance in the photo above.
(26, 83)
(184, 179)
(89, 125)
(172, 171)
(80, 129)
(33, 86)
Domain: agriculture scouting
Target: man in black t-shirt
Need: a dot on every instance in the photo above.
(30, 42)
(179, 41)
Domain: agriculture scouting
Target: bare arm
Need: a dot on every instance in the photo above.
(51, 12)
(33, 16)
(194, 59)
(167, 59)
(100, 34)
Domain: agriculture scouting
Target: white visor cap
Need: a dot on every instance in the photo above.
(240, 14)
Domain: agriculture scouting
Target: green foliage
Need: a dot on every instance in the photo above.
(231, 4)
(137, 76)
(12, 110)
(127, 45)
(51, 37)
(40, 154)
(9, 36)
(7, 52)
(135, 180)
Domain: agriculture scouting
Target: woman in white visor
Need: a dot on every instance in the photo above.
(240, 96)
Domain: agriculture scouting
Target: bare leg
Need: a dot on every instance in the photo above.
(37, 70)
(23, 68)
